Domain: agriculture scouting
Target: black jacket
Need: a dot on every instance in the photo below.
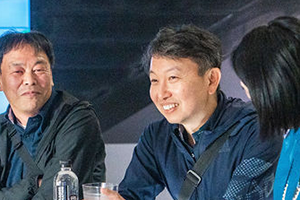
(72, 133)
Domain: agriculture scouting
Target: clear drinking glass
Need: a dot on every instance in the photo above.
(92, 191)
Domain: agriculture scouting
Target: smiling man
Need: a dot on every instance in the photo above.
(184, 70)
(49, 125)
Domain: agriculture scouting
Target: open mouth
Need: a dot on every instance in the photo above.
(170, 106)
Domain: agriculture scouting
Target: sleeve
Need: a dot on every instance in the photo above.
(25, 189)
(142, 179)
(253, 178)
(78, 139)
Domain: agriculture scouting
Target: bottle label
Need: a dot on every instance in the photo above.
(62, 192)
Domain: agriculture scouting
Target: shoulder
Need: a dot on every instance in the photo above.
(233, 111)
(71, 111)
(2, 118)
(244, 115)
(69, 103)
(239, 107)
(3, 123)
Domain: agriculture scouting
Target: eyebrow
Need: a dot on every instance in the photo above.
(13, 64)
(175, 68)
(40, 61)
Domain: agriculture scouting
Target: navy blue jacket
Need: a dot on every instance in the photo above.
(243, 169)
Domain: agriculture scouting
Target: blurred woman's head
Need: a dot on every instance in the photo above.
(268, 63)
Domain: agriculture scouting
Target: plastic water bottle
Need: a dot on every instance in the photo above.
(65, 183)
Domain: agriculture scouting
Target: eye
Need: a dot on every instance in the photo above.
(153, 81)
(39, 70)
(18, 72)
(172, 78)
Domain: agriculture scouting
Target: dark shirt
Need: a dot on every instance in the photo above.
(30, 136)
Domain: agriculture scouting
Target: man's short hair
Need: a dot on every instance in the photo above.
(186, 41)
(13, 40)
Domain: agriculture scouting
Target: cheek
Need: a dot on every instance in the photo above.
(194, 96)
(152, 94)
(183, 92)
(45, 80)
(11, 82)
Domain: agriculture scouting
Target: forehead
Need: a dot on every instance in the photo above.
(25, 51)
(166, 64)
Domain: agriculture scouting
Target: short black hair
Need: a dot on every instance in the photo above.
(13, 40)
(186, 41)
(268, 62)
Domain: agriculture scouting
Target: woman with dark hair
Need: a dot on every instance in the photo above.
(268, 63)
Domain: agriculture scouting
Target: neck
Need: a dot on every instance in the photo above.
(23, 117)
(22, 121)
(194, 125)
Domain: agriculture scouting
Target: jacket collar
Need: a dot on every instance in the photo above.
(224, 117)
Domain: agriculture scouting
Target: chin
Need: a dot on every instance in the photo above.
(32, 109)
(173, 121)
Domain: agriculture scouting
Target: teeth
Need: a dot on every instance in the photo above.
(168, 107)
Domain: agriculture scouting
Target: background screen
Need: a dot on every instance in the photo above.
(14, 15)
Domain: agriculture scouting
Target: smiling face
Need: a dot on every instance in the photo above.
(180, 94)
(26, 79)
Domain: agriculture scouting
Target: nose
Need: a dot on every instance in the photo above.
(163, 91)
(29, 78)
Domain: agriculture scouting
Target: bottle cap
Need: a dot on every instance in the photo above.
(65, 163)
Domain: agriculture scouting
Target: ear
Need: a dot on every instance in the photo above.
(52, 82)
(214, 77)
